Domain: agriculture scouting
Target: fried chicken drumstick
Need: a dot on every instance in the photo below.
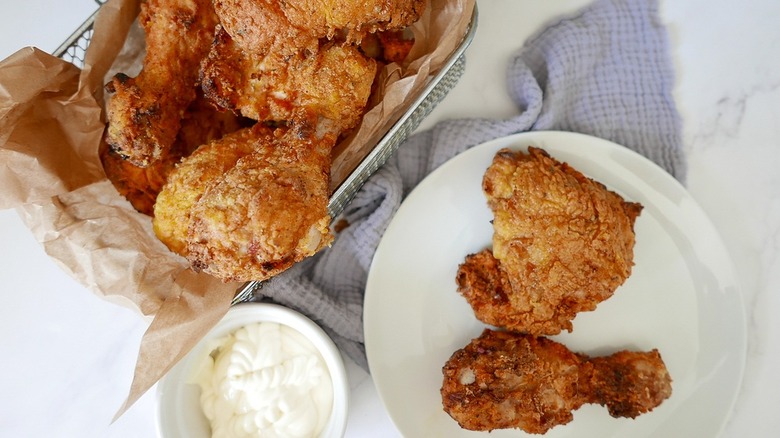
(562, 243)
(509, 380)
(144, 112)
(266, 213)
(250, 205)
(193, 176)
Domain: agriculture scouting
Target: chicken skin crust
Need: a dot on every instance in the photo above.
(144, 113)
(187, 183)
(503, 380)
(355, 17)
(562, 243)
(266, 213)
(333, 81)
(265, 26)
(139, 185)
(200, 124)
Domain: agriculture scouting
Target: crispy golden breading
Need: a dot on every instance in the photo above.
(506, 380)
(502, 380)
(266, 213)
(486, 288)
(388, 46)
(200, 124)
(325, 18)
(144, 113)
(187, 183)
(627, 383)
(563, 242)
(203, 123)
(395, 45)
(260, 26)
(264, 26)
(139, 185)
(334, 82)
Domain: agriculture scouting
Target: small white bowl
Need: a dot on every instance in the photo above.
(179, 414)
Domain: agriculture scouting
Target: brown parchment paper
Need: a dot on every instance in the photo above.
(51, 122)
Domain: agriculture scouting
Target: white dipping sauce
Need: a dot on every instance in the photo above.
(265, 379)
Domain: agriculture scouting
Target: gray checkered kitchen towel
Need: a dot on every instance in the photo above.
(605, 71)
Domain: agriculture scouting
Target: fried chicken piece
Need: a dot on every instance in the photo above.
(562, 243)
(265, 26)
(200, 124)
(194, 175)
(333, 81)
(203, 123)
(139, 185)
(144, 113)
(266, 213)
(396, 45)
(260, 26)
(503, 380)
(486, 287)
(388, 46)
(506, 380)
(355, 17)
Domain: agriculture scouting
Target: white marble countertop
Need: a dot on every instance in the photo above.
(69, 355)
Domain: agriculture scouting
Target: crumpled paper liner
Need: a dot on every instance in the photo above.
(51, 121)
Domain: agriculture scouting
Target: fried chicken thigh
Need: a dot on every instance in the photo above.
(333, 81)
(144, 112)
(509, 380)
(265, 26)
(562, 243)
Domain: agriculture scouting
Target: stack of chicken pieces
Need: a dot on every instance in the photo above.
(226, 135)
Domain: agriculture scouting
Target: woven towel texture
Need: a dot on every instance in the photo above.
(605, 71)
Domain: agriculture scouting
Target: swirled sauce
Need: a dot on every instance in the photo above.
(265, 379)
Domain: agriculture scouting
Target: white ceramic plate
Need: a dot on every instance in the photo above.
(682, 297)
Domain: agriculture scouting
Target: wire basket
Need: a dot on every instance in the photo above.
(74, 48)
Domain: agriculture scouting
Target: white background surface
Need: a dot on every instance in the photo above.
(69, 356)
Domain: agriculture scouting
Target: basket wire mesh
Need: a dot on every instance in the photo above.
(75, 46)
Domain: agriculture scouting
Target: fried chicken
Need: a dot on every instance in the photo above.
(139, 185)
(265, 26)
(266, 213)
(144, 113)
(260, 26)
(203, 123)
(187, 183)
(333, 81)
(562, 243)
(200, 124)
(325, 18)
(249, 205)
(509, 380)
